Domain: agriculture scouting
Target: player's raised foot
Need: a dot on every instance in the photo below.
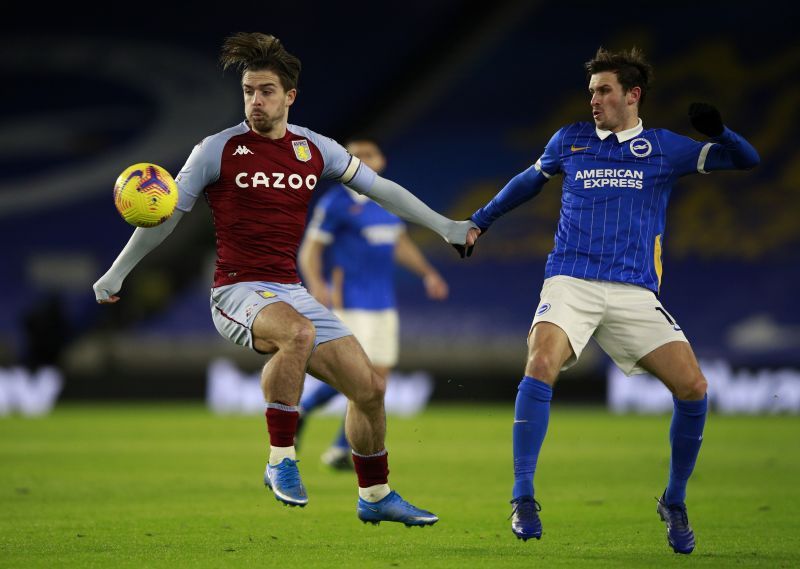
(679, 533)
(284, 481)
(525, 522)
(338, 458)
(393, 508)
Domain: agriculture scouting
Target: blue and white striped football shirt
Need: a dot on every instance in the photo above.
(361, 238)
(614, 196)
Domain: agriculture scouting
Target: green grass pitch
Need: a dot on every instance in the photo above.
(174, 486)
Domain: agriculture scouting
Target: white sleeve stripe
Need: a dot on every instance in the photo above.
(538, 167)
(701, 160)
(320, 235)
(351, 170)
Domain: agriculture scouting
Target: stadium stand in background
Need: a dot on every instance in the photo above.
(461, 104)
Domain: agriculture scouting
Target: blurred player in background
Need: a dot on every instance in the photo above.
(362, 241)
(258, 178)
(603, 276)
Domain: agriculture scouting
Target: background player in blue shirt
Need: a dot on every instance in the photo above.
(603, 275)
(362, 242)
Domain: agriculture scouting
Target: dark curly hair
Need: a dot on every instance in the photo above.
(631, 67)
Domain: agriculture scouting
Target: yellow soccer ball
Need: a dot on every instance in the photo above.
(145, 195)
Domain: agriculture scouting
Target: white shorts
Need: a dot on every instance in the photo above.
(377, 331)
(627, 321)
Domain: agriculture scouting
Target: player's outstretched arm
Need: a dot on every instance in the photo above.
(730, 151)
(517, 191)
(140, 244)
(398, 200)
(407, 254)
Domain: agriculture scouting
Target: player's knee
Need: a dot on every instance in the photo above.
(377, 388)
(372, 393)
(301, 335)
(694, 389)
(542, 365)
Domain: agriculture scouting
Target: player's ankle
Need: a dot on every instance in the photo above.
(374, 493)
(277, 454)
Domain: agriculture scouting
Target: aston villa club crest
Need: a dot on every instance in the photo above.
(302, 150)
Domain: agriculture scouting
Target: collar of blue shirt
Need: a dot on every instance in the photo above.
(623, 135)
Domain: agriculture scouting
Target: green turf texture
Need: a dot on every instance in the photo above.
(174, 486)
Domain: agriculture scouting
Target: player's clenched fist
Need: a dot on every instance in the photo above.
(706, 119)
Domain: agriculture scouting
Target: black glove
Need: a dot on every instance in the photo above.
(706, 119)
(463, 250)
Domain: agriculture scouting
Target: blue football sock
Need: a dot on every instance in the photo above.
(341, 439)
(685, 436)
(531, 414)
(317, 397)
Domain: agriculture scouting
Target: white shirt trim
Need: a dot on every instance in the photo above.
(317, 234)
(538, 167)
(623, 135)
(350, 171)
(701, 160)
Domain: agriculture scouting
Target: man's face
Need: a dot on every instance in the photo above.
(612, 108)
(266, 104)
(369, 153)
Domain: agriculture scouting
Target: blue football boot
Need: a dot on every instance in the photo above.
(679, 533)
(284, 480)
(393, 508)
(525, 522)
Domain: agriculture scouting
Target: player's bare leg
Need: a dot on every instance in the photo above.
(548, 349)
(280, 330)
(338, 455)
(345, 366)
(676, 366)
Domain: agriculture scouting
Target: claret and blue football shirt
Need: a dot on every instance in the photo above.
(259, 190)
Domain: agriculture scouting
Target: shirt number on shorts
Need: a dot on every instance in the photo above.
(669, 318)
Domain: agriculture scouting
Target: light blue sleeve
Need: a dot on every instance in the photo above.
(203, 166)
(338, 164)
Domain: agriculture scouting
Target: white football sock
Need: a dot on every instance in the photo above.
(374, 493)
(277, 454)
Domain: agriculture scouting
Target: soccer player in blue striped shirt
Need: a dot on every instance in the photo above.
(603, 276)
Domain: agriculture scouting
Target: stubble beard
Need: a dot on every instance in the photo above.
(265, 124)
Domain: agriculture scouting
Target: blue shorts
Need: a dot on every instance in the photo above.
(234, 308)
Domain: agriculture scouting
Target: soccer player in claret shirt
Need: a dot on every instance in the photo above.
(603, 276)
(258, 178)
